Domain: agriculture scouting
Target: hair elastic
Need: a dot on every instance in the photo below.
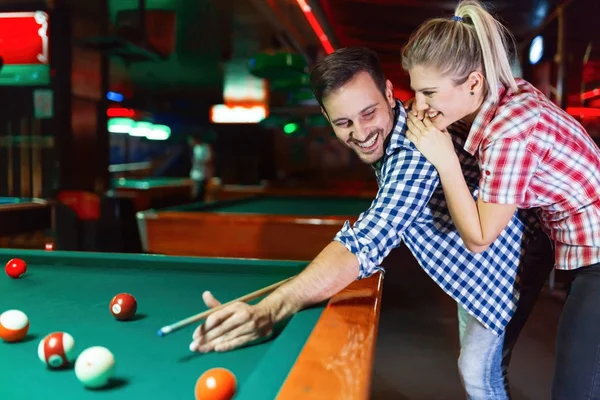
(457, 18)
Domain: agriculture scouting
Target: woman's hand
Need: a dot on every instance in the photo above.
(434, 144)
(408, 106)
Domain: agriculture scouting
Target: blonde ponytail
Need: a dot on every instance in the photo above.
(472, 40)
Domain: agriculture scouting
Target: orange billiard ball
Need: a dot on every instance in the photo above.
(216, 384)
(15, 268)
(123, 306)
(14, 325)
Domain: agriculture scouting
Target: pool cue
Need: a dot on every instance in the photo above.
(165, 330)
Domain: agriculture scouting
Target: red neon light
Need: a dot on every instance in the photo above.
(583, 112)
(120, 112)
(591, 94)
(314, 23)
(23, 38)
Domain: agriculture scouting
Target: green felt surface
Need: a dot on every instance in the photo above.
(280, 205)
(146, 183)
(14, 200)
(68, 291)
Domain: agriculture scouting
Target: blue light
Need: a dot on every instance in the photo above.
(114, 96)
(536, 50)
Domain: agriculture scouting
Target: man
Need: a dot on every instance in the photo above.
(410, 206)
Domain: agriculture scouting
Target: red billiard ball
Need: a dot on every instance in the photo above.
(15, 268)
(216, 384)
(57, 350)
(123, 306)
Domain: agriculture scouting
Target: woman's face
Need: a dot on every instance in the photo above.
(441, 99)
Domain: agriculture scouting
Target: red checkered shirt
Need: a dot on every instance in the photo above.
(533, 154)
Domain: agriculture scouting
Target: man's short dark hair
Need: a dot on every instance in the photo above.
(341, 66)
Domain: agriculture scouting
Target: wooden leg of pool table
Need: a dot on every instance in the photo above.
(336, 361)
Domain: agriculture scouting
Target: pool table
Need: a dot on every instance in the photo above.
(24, 215)
(265, 227)
(154, 192)
(230, 192)
(324, 352)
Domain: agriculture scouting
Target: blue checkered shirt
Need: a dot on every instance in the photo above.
(410, 206)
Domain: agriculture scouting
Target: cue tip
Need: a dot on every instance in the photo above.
(163, 331)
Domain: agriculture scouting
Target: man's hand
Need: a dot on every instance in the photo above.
(231, 327)
(239, 323)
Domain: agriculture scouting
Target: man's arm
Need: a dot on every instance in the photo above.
(330, 272)
(356, 252)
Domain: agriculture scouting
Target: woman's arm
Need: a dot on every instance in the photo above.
(478, 223)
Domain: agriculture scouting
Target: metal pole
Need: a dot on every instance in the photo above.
(526, 41)
(561, 60)
(25, 163)
(37, 146)
(9, 149)
(142, 14)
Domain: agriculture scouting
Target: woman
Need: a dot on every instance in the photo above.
(531, 154)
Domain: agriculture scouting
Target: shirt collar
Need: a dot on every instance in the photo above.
(482, 120)
(397, 137)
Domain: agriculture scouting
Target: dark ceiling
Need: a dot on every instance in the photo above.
(385, 25)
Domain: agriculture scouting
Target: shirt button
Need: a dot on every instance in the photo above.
(487, 172)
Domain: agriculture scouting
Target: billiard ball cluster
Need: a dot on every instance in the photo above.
(95, 366)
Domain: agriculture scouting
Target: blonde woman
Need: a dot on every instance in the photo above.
(531, 154)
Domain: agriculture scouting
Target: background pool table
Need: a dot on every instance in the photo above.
(266, 227)
(231, 191)
(22, 215)
(154, 192)
(322, 352)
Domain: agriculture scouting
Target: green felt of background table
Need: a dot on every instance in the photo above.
(67, 291)
(280, 205)
(14, 200)
(147, 183)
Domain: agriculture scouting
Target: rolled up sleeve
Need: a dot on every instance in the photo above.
(408, 182)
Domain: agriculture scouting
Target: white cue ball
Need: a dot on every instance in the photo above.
(95, 366)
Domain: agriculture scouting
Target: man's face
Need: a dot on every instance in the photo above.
(361, 116)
